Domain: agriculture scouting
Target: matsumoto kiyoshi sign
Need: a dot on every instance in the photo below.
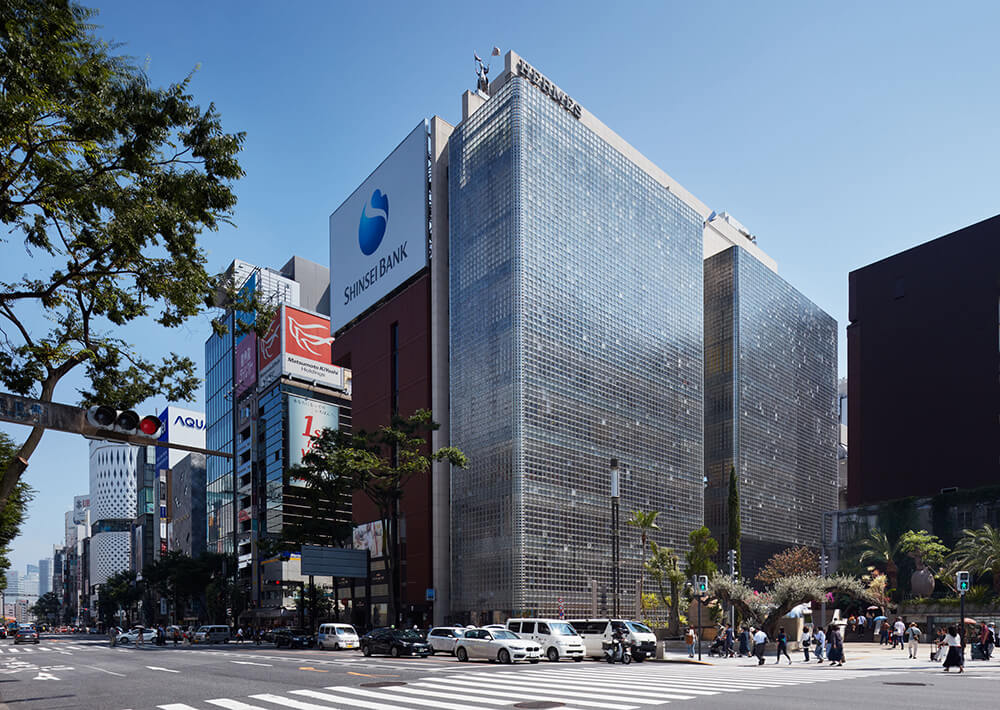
(378, 236)
(298, 344)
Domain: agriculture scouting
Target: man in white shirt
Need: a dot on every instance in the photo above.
(759, 645)
(898, 629)
(820, 637)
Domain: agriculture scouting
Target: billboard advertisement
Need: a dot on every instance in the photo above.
(180, 426)
(378, 236)
(298, 344)
(80, 505)
(306, 418)
(368, 536)
(245, 319)
(246, 363)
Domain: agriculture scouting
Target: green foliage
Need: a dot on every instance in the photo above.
(793, 560)
(107, 182)
(979, 552)
(767, 610)
(735, 536)
(703, 548)
(927, 550)
(645, 521)
(14, 511)
(46, 608)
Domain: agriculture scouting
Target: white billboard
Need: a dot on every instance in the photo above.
(378, 236)
(306, 418)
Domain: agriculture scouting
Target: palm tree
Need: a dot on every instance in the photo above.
(879, 550)
(645, 521)
(664, 567)
(979, 552)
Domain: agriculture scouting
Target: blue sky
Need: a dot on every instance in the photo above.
(838, 133)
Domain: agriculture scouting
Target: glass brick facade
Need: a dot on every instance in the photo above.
(575, 336)
(219, 437)
(770, 407)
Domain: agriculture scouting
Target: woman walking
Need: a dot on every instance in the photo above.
(782, 640)
(955, 655)
(806, 641)
(836, 655)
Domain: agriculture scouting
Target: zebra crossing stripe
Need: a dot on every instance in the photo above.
(553, 695)
(596, 689)
(453, 695)
(289, 702)
(233, 704)
(628, 684)
(175, 706)
(375, 697)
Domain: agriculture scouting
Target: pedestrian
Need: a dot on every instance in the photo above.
(898, 629)
(257, 635)
(782, 640)
(913, 639)
(883, 633)
(991, 640)
(836, 654)
(689, 639)
(820, 637)
(730, 642)
(806, 641)
(138, 638)
(113, 633)
(744, 642)
(760, 645)
(955, 657)
(239, 635)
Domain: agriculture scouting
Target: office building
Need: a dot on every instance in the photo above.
(922, 344)
(272, 393)
(187, 492)
(44, 576)
(542, 294)
(113, 469)
(770, 408)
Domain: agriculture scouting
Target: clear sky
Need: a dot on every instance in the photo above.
(839, 133)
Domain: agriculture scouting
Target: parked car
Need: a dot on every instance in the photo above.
(496, 644)
(442, 639)
(26, 634)
(337, 636)
(148, 635)
(217, 633)
(294, 638)
(556, 638)
(596, 632)
(395, 642)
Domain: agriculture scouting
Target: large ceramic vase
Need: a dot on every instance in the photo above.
(922, 583)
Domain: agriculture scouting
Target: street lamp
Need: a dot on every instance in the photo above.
(615, 573)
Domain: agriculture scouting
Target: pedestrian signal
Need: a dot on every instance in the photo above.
(702, 584)
(962, 582)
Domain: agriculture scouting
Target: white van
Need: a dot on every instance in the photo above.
(596, 632)
(337, 636)
(555, 637)
(212, 634)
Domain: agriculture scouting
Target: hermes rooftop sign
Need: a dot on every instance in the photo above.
(525, 70)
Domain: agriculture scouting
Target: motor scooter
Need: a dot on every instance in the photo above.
(617, 652)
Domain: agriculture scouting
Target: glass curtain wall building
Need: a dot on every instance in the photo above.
(575, 336)
(219, 437)
(770, 408)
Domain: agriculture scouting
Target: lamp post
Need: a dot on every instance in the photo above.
(615, 573)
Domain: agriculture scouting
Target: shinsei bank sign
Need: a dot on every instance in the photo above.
(378, 236)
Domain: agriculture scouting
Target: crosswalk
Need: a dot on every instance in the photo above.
(589, 687)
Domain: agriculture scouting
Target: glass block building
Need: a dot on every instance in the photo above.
(575, 336)
(770, 408)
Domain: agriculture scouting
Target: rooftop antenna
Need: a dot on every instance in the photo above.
(483, 70)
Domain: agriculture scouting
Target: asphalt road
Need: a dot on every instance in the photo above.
(83, 673)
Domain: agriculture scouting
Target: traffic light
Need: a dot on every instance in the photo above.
(125, 421)
(962, 582)
(702, 584)
(731, 559)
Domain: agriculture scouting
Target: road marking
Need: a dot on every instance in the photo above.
(314, 670)
(297, 704)
(165, 670)
(250, 663)
(120, 675)
(175, 706)
(233, 704)
(370, 675)
(44, 676)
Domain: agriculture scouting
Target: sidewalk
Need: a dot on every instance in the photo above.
(859, 656)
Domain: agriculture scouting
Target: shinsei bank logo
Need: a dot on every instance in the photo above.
(373, 223)
(371, 230)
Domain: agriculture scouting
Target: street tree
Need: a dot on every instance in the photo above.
(792, 560)
(699, 558)
(46, 608)
(106, 182)
(380, 463)
(928, 553)
(664, 567)
(978, 551)
(768, 609)
(882, 552)
(13, 511)
(645, 521)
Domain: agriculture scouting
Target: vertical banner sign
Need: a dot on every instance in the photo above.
(245, 319)
(246, 363)
(306, 418)
(269, 351)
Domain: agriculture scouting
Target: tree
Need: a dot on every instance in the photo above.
(767, 610)
(108, 181)
(979, 552)
(46, 608)
(14, 510)
(703, 548)
(877, 548)
(664, 568)
(733, 513)
(119, 592)
(645, 521)
(794, 560)
(380, 463)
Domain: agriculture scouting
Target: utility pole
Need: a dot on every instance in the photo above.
(615, 555)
